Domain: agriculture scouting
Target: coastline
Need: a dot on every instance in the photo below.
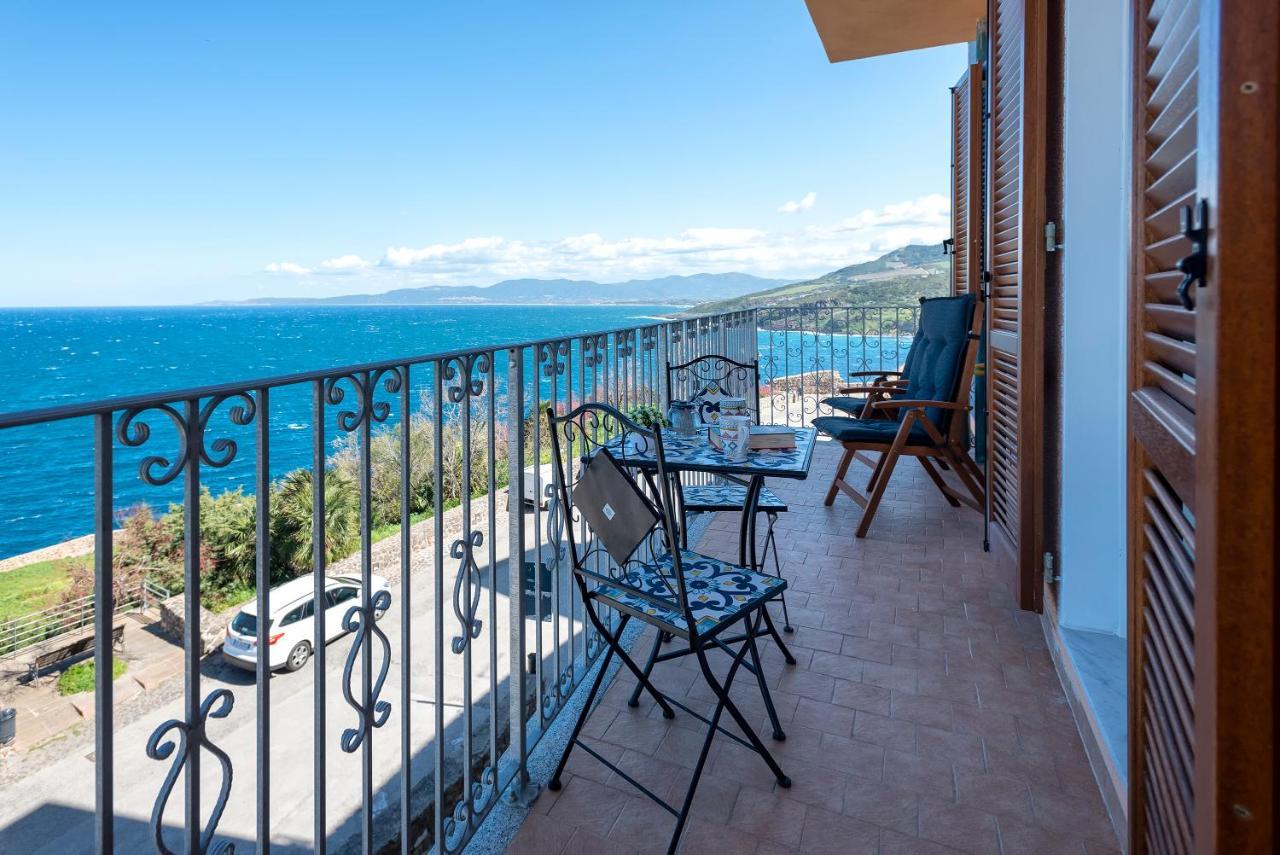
(76, 546)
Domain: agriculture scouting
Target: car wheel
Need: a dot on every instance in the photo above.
(298, 656)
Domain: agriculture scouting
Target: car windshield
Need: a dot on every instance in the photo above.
(246, 624)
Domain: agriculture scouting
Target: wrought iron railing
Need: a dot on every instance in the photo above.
(483, 631)
(807, 353)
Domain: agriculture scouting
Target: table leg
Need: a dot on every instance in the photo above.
(747, 526)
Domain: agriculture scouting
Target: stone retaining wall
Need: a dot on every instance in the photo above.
(173, 624)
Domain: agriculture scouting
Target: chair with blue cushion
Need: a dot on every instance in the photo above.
(926, 420)
(626, 558)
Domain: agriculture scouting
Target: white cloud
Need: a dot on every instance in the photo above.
(934, 210)
(796, 207)
(345, 263)
(785, 254)
(476, 250)
(287, 267)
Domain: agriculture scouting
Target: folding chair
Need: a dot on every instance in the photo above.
(704, 382)
(924, 422)
(648, 577)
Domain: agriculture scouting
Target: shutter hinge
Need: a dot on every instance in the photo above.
(1051, 237)
(948, 246)
(1050, 574)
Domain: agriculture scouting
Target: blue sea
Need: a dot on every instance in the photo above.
(53, 357)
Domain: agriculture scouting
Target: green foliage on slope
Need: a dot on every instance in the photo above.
(897, 278)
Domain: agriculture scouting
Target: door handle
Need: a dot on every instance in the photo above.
(1195, 228)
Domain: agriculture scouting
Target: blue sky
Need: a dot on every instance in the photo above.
(173, 153)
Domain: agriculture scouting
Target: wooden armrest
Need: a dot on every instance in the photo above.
(873, 390)
(917, 404)
(875, 374)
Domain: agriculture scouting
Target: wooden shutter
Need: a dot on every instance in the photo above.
(1202, 420)
(966, 182)
(1162, 422)
(1015, 260)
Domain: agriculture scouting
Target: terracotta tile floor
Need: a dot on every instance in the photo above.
(924, 714)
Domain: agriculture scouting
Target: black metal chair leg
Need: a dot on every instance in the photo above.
(777, 638)
(554, 783)
(778, 732)
(722, 695)
(634, 700)
(771, 546)
(693, 782)
(712, 726)
(641, 677)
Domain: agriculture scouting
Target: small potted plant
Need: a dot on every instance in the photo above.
(648, 417)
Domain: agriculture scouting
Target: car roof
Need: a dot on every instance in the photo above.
(285, 596)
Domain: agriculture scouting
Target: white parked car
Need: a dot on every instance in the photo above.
(291, 630)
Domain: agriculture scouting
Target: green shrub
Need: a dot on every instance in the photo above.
(152, 547)
(79, 677)
(228, 537)
(292, 506)
(223, 598)
(385, 459)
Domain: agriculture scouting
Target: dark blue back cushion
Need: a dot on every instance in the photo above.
(937, 355)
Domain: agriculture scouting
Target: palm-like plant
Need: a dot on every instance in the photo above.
(291, 519)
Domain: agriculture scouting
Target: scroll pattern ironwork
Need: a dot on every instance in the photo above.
(459, 371)
(365, 385)
(363, 622)
(464, 817)
(465, 607)
(218, 704)
(134, 433)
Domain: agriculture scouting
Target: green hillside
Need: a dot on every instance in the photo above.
(897, 278)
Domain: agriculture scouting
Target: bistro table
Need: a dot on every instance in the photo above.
(695, 453)
(685, 453)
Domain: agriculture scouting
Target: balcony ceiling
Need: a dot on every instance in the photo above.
(853, 29)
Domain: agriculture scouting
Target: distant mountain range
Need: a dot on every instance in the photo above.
(669, 290)
(897, 278)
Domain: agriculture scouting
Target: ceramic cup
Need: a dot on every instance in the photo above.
(736, 432)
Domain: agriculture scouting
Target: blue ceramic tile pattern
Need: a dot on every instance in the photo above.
(696, 454)
(728, 497)
(717, 591)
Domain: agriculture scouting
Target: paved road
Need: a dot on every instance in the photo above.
(51, 811)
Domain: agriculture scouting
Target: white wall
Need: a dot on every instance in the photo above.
(1095, 231)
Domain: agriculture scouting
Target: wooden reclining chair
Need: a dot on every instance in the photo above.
(926, 420)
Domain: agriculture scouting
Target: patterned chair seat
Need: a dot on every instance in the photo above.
(701, 498)
(718, 592)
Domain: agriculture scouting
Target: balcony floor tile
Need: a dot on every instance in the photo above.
(923, 714)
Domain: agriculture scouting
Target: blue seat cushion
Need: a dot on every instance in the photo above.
(937, 354)
(718, 592)
(845, 429)
(699, 498)
(852, 406)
